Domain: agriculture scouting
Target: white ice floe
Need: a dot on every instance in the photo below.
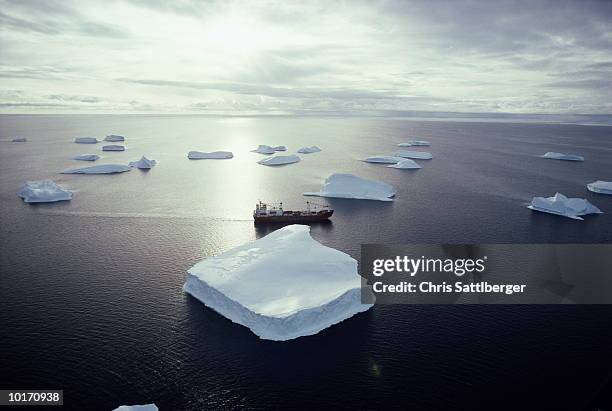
(308, 150)
(418, 155)
(350, 186)
(283, 286)
(406, 163)
(215, 155)
(86, 157)
(19, 140)
(560, 156)
(563, 206)
(114, 138)
(113, 147)
(601, 187)
(145, 407)
(99, 169)
(279, 160)
(263, 149)
(383, 159)
(143, 163)
(86, 140)
(44, 191)
(279, 148)
(415, 143)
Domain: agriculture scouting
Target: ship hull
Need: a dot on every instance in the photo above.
(293, 218)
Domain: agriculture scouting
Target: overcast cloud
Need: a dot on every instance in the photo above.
(311, 56)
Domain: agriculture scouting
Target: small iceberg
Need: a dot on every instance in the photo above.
(279, 160)
(283, 286)
(145, 407)
(351, 186)
(406, 164)
(308, 150)
(114, 138)
(601, 187)
(86, 157)
(99, 169)
(415, 143)
(113, 147)
(215, 155)
(263, 149)
(44, 191)
(19, 140)
(417, 155)
(279, 148)
(383, 159)
(563, 206)
(86, 140)
(560, 156)
(143, 163)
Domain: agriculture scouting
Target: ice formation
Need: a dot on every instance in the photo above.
(113, 147)
(418, 155)
(19, 140)
(114, 138)
(86, 140)
(406, 164)
(215, 155)
(350, 186)
(44, 191)
(383, 159)
(415, 143)
(283, 286)
(99, 169)
(143, 163)
(279, 160)
(145, 407)
(561, 205)
(308, 150)
(263, 149)
(560, 156)
(279, 148)
(86, 157)
(601, 187)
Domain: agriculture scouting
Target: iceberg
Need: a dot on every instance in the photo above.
(99, 169)
(279, 160)
(601, 187)
(86, 140)
(283, 286)
(560, 156)
(279, 148)
(383, 159)
(308, 150)
(418, 155)
(263, 149)
(406, 164)
(44, 191)
(86, 157)
(215, 155)
(351, 186)
(143, 163)
(415, 143)
(563, 206)
(113, 147)
(145, 407)
(19, 140)
(114, 138)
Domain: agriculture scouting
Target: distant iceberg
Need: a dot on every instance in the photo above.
(279, 160)
(279, 148)
(143, 163)
(99, 169)
(19, 140)
(113, 147)
(563, 206)
(383, 159)
(283, 286)
(263, 149)
(350, 186)
(215, 155)
(145, 407)
(44, 191)
(86, 140)
(86, 157)
(114, 138)
(560, 156)
(308, 150)
(418, 155)
(406, 164)
(415, 143)
(601, 187)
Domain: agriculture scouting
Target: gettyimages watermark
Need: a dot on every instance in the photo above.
(487, 274)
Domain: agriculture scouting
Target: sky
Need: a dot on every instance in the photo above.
(270, 57)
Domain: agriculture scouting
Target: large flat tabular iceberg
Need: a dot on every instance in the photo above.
(601, 187)
(282, 286)
(215, 155)
(563, 206)
(383, 159)
(350, 186)
(19, 140)
(86, 157)
(415, 143)
(279, 160)
(44, 191)
(417, 155)
(308, 150)
(86, 140)
(406, 163)
(99, 169)
(145, 407)
(144, 163)
(114, 138)
(560, 156)
(113, 147)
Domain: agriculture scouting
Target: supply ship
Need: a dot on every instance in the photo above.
(265, 213)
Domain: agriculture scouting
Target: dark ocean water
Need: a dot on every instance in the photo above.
(90, 290)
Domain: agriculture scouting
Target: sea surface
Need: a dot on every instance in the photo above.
(91, 297)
